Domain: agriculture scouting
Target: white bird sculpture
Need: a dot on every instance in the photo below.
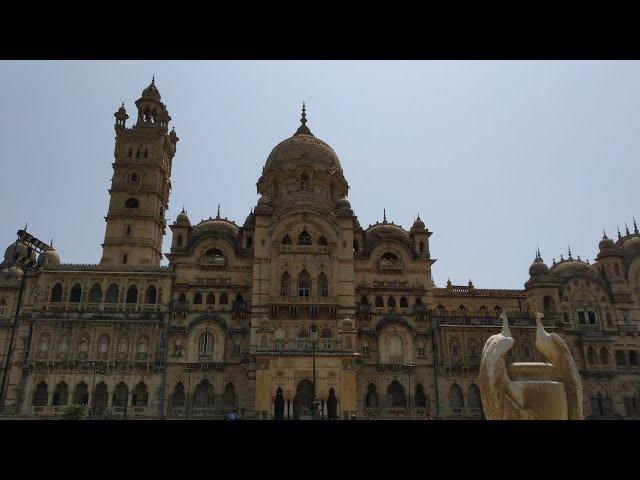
(552, 346)
(500, 400)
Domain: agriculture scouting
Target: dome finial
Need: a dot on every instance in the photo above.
(384, 215)
(626, 228)
(51, 245)
(303, 129)
(218, 215)
(25, 226)
(538, 257)
(604, 233)
(153, 79)
(619, 236)
(635, 226)
(569, 250)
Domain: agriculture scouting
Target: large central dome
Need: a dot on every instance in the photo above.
(302, 147)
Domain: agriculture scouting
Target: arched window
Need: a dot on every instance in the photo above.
(150, 296)
(322, 240)
(182, 298)
(591, 356)
(140, 395)
(43, 344)
(371, 399)
(132, 203)
(224, 299)
(95, 294)
(236, 348)
(60, 394)
(454, 347)
(229, 397)
(286, 240)
(391, 302)
(326, 338)
(63, 344)
(280, 337)
(621, 358)
(323, 286)
(421, 246)
(178, 398)
(456, 401)
(633, 357)
(103, 345)
(304, 238)
(395, 349)
(211, 298)
(549, 307)
(123, 348)
(213, 256)
(197, 298)
(356, 246)
(83, 346)
(365, 349)
(473, 397)
(421, 399)
(379, 302)
(604, 356)
(304, 182)
(205, 343)
(389, 259)
(179, 240)
(285, 282)
(396, 393)
(142, 348)
(403, 302)
(132, 294)
(76, 293)
(364, 301)
(304, 284)
(56, 293)
(81, 394)
(40, 395)
(204, 395)
(121, 395)
(100, 399)
(249, 242)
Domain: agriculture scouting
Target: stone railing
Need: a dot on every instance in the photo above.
(304, 300)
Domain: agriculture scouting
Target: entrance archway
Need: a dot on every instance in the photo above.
(332, 405)
(302, 401)
(278, 404)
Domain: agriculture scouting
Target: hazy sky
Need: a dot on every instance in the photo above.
(497, 157)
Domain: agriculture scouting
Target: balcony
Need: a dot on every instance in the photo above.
(303, 300)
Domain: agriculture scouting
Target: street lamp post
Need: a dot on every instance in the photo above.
(28, 265)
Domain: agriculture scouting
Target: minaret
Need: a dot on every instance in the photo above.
(140, 185)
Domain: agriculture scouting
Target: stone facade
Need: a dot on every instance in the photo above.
(228, 324)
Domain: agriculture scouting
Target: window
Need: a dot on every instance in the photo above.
(473, 397)
(403, 302)
(150, 296)
(621, 359)
(286, 240)
(581, 317)
(224, 299)
(179, 241)
(379, 302)
(132, 294)
(591, 356)
(625, 318)
(213, 256)
(304, 182)
(285, 282)
(205, 344)
(616, 269)
(592, 317)
(609, 320)
(396, 392)
(421, 247)
(236, 348)
(371, 399)
(132, 203)
(633, 357)
(604, 356)
(326, 338)
(323, 286)
(124, 259)
(365, 349)
(43, 344)
(391, 302)
(103, 344)
(197, 298)
(113, 292)
(128, 229)
(304, 284)
(249, 242)
(211, 298)
(56, 293)
(356, 246)
(76, 293)
(40, 395)
(304, 238)
(95, 294)
(395, 349)
(421, 399)
(322, 240)
(421, 350)
(456, 401)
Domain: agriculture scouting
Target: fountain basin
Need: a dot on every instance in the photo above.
(538, 388)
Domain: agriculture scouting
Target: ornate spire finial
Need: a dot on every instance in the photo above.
(183, 209)
(635, 226)
(51, 245)
(619, 236)
(418, 216)
(218, 215)
(569, 250)
(303, 129)
(626, 228)
(604, 233)
(153, 80)
(25, 226)
(384, 215)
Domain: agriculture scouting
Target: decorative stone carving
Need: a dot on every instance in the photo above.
(531, 390)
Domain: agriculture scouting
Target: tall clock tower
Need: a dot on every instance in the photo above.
(141, 182)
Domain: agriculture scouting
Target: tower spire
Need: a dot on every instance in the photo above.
(303, 129)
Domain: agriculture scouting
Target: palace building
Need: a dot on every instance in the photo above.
(246, 315)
